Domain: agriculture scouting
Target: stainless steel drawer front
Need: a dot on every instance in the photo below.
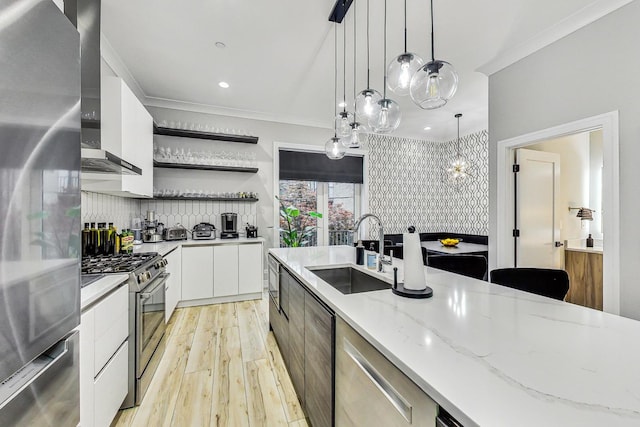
(403, 407)
(47, 391)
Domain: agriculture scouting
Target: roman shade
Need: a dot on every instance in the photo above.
(308, 166)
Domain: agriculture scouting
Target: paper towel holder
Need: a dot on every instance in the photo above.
(398, 289)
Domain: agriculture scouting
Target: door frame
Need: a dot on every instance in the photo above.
(501, 252)
(364, 193)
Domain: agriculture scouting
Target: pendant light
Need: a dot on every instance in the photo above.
(344, 118)
(356, 139)
(367, 100)
(459, 168)
(386, 117)
(333, 148)
(403, 67)
(435, 83)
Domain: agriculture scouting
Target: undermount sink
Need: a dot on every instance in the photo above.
(348, 280)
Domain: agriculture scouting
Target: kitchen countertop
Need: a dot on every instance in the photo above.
(164, 248)
(461, 248)
(492, 355)
(583, 248)
(98, 289)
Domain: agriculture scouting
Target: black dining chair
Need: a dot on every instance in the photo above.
(467, 265)
(541, 281)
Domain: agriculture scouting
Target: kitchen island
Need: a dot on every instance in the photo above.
(491, 355)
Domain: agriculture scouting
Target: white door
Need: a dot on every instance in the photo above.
(537, 212)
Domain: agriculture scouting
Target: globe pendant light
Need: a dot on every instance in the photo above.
(344, 118)
(367, 100)
(386, 117)
(435, 83)
(356, 138)
(403, 67)
(459, 168)
(333, 148)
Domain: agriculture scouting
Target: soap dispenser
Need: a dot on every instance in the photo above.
(589, 241)
(360, 253)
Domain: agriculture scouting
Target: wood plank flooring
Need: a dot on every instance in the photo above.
(222, 367)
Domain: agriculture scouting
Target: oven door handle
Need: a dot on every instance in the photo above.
(161, 280)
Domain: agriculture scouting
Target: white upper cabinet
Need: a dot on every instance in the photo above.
(126, 131)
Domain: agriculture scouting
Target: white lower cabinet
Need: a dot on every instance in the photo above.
(197, 272)
(221, 271)
(104, 370)
(250, 268)
(225, 271)
(370, 390)
(173, 287)
(110, 387)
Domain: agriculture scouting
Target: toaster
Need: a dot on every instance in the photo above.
(204, 231)
(174, 233)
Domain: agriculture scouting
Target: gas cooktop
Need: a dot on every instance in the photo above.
(116, 263)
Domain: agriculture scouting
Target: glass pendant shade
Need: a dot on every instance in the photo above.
(387, 116)
(367, 104)
(343, 124)
(356, 137)
(433, 85)
(334, 148)
(400, 71)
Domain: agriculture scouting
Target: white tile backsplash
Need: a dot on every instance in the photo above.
(191, 212)
(97, 207)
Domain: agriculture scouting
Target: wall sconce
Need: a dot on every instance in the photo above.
(585, 214)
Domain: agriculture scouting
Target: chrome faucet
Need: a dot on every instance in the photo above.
(382, 258)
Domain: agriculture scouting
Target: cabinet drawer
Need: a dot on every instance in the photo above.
(370, 390)
(110, 387)
(111, 326)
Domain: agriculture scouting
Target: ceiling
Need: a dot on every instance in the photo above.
(279, 62)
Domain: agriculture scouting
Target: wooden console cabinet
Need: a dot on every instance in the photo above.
(585, 278)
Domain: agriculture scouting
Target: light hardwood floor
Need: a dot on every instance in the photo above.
(221, 367)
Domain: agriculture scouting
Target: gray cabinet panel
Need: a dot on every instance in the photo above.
(296, 337)
(280, 328)
(318, 367)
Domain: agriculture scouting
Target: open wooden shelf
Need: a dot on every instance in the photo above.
(204, 167)
(205, 135)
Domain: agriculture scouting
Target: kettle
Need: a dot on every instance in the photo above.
(252, 230)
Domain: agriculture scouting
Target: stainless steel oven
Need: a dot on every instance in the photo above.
(150, 330)
(274, 280)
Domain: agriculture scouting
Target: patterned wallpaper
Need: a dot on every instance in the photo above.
(408, 185)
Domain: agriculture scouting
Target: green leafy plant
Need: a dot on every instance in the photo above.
(296, 233)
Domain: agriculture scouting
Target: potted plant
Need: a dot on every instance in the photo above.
(296, 232)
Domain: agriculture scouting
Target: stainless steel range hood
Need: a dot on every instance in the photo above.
(85, 15)
(100, 161)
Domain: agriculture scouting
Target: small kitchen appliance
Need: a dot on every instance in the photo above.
(204, 231)
(175, 233)
(252, 230)
(229, 225)
(152, 229)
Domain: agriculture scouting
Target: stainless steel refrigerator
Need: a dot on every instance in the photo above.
(39, 215)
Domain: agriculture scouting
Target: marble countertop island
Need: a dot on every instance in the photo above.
(491, 355)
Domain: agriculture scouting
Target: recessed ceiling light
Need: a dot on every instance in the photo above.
(427, 128)
(223, 85)
(342, 104)
(220, 45)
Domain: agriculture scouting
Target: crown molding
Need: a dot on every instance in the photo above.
(116, 63)
(173, 104)
(572, 23)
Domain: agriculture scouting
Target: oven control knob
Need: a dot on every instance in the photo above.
(147, 275)
(164, 262)
(142, 278)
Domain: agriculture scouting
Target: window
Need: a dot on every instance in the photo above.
(311, 182)
(338, 202)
